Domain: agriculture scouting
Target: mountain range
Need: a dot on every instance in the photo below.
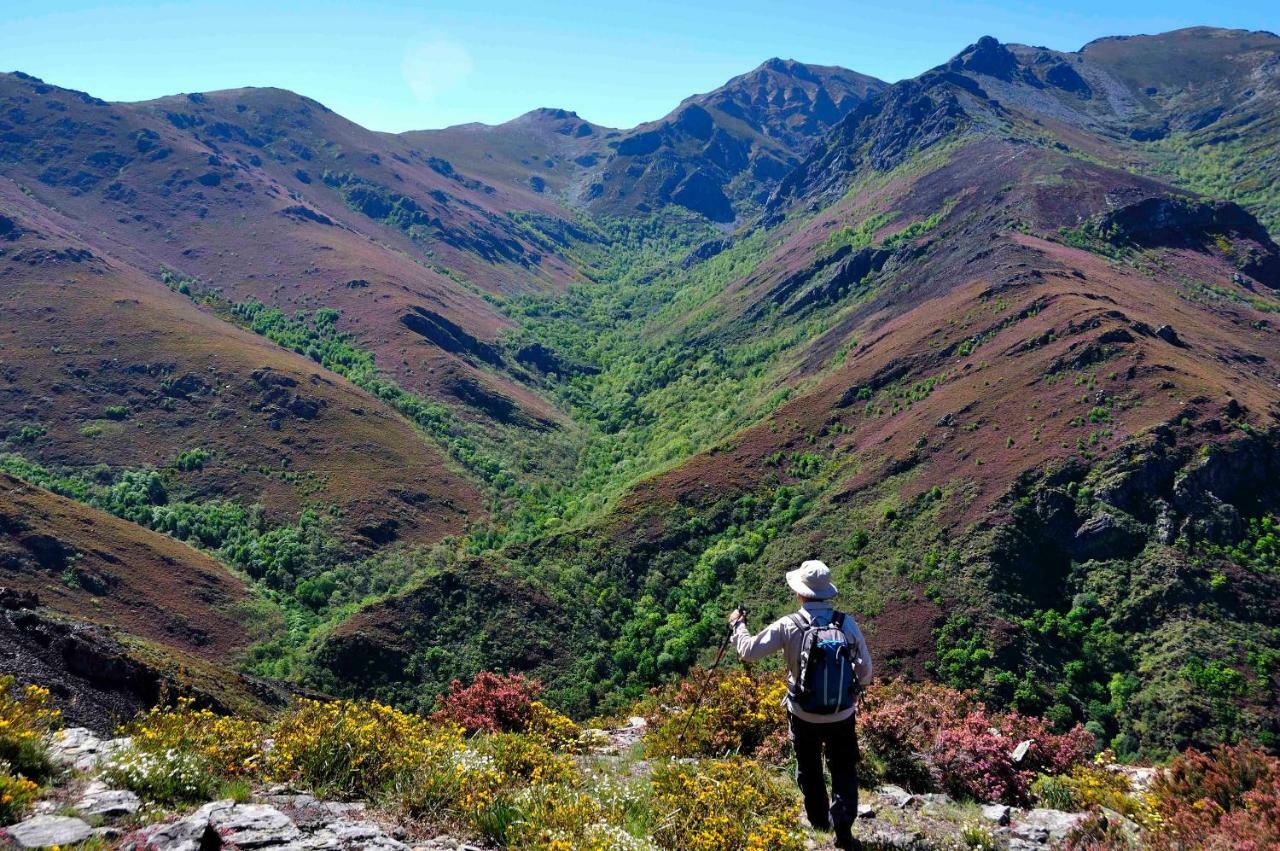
(286, 400)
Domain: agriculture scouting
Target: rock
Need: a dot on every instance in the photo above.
(46, 831)
(866, 811)
(998, 813)
(934, 799)
(1140, 777)
(99, 800)
(888, 836)
(365, 835)
(1170, 336)
(899, 797)
(80, 748)
(1107, 536)
(1044, 826)
(253, 825)
(1020, 752)
(188, 834)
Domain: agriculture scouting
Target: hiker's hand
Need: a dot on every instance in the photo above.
(736, 617)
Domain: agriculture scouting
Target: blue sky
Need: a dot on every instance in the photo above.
(408, 65)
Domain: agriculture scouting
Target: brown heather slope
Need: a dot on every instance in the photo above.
(230, 188)
(98, 568)
(82, 334)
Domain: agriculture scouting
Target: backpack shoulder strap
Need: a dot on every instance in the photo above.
(799, 620)
(837, 620)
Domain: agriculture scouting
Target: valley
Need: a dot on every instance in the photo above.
(338, 407)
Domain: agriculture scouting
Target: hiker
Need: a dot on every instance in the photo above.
(827, 665)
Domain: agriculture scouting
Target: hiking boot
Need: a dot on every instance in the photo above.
(845, 840)
(824, 825)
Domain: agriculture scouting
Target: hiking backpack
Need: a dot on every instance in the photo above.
(825, 684)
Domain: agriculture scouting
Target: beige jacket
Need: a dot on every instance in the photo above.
(783, 634)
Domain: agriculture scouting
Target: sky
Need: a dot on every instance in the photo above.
(398, 66)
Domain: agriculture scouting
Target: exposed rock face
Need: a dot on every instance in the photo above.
(1183, 223)
(449, 335)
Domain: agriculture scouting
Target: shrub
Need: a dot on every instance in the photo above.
(931, 736)
(356, 749)
(116, 412)
(459, 783)
(1226, 799)
(528, 758)
(192, 459)
(17, 794)
(229, 746)
(168, 777)
(27, 718)
(560, 732)
(493, 703)
(740, 713)
(1091, 787)
(722, 805)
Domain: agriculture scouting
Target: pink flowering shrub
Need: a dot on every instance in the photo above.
(493, 703)
(931, 736)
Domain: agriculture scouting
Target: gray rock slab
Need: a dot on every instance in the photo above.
(998, 813)
(99, 800)
(1044, 826)
(44, 831)
(254, 826)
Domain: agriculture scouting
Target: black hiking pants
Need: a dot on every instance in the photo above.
(839, 741)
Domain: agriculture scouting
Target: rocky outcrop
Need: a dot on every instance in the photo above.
(449, 336)
(1173, 222)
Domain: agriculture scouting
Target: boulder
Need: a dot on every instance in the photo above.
(47, 831)
(998, 813)
(899, 797)
(99, 800)
(1045, 826)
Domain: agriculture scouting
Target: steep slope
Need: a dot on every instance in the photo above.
(104, 366)
(270, 196)
(95, 567)
(113, 618)
(719, 154)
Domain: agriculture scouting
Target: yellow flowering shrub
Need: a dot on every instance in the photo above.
(27, 718)
(1094, 785)
(527, 759)
(723, 805)
(559, 731)
(17, 794)
(741, 713)
(228, 745)
(356, 749)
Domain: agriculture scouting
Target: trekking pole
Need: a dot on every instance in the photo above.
(706, 680)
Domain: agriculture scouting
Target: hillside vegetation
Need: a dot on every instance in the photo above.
(370, 415)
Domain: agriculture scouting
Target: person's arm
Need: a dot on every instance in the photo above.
(769, 640)
(861, 665)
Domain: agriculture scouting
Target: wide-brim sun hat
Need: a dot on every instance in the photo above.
(813, 580)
